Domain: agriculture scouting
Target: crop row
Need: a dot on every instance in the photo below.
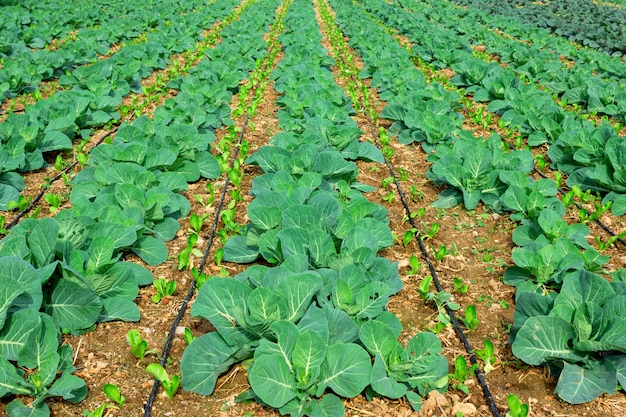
(555, 266)
(581, 85)
(578, 85)
(316, 319)
(581, 21)
(66, 273)
(590, 60)
(35, 24)
(97, 91)
(24, 69)
(590, 155)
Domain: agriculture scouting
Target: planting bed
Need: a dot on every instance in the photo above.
(311, 207)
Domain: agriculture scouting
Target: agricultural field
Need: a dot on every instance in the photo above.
(312, 207)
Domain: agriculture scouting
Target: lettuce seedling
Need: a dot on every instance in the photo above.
(170, 385)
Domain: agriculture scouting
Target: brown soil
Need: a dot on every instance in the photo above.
(480, 242)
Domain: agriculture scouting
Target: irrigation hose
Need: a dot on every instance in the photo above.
(449, 311)
(190, 292)
(41, 193)
(431, 267)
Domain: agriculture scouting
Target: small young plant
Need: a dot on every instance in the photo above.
(235, 176)
(188, 336)
(459, 285)
(98, 412)
(408, 237)
(424, 287)
(541, 162)
(415, 265)
(3, 221)
(470, 320)
(164, 288)
(219, 255)
(419, 213)
(602, 245)
(196, 222)
(434, 228)
(113, 392)
(516, 408)
(82, 158)
(58, 163)
(487, 355)
(54, 201)
(442, 300)
(461, 373)
(386, 181)
(185, 256)
(388, 197)
(441, 253)
(416, 194)
(138, 346)
(200, 277)
(20, 204)
(170, 385)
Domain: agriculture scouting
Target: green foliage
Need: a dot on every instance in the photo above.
(300, 319)
(113, 393)
(170, 385)
(516, 408)
(573, 332)
(459, 285)
(441, 252)
(396, 370)
(415, 265)
(488, 356)
(164, 288)
(470, 320)
(461, 373)
(31, 340)
(472, 169)
(138, 346)
(188, 336)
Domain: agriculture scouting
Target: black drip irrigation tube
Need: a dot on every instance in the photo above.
(455, 323)
(190, 292)
(564, 189)
(431, 267)
(7, 113)
(52, 180)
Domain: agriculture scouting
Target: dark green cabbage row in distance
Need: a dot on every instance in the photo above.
(580, 21)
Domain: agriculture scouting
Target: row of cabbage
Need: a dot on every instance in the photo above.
(96, 91)
(582, 21)
(567, 316)
(35, 24)
(591, 60)
(582, 84)
(67, 273)
(596, 89)
(592, 156)
(315, 320)
(25, 64)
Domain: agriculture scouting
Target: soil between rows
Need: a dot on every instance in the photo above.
(482, 247)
